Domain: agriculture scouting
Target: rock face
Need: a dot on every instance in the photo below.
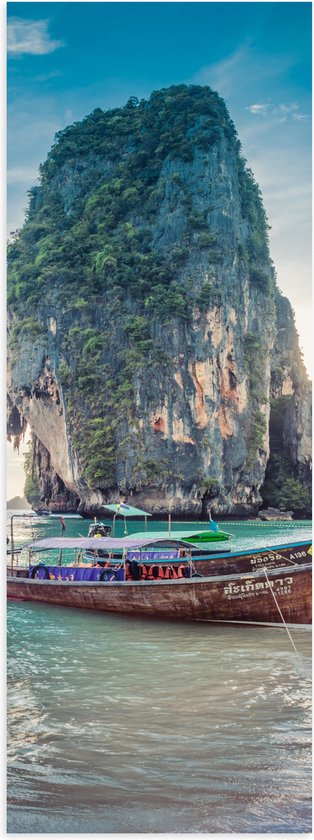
(289, 380)
(18, 503)
(273, 515)
(146, 331)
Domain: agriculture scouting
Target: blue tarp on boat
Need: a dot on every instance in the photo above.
(73, 573)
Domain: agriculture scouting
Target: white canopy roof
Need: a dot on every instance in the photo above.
(105, 543)
(123, 509)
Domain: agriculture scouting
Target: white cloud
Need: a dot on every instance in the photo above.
(221, 75)
(46, 77)
(258, 109)
(281, 112)
(30, 36)
(234, 76)
(291, 110)
(287, 109)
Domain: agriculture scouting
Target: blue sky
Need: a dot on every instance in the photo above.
(65, 59)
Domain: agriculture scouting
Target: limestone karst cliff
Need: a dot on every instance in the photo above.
(147, 338)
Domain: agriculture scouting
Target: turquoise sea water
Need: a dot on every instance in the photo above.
(126, 725)
(244, 535)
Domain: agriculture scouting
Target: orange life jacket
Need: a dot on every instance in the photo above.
(159, 572)
(181, 571)
(150, 573)
(170, 572)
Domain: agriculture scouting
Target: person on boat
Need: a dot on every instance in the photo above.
(212, 525)
(135, 570)
(132, 570)
(98, 529)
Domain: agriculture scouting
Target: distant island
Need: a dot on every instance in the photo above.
(18, 503)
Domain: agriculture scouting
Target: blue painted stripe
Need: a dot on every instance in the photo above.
(274, 548)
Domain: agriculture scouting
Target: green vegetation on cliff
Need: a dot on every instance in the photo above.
(31, 486)
(90, 254)
(95, 238)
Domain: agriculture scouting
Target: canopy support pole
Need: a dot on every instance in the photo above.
(15, 516)
(12, 547)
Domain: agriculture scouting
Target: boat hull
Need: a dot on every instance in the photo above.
(273, 557)
(273, 596)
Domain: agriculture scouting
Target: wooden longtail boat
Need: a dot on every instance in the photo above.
(212, 533)
(237, 587)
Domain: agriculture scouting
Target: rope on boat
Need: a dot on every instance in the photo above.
(286, 559)
(260, 524)
(277, 524)
(281, 615)
(194, 570)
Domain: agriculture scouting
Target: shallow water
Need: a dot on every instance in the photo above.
(127, 725)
